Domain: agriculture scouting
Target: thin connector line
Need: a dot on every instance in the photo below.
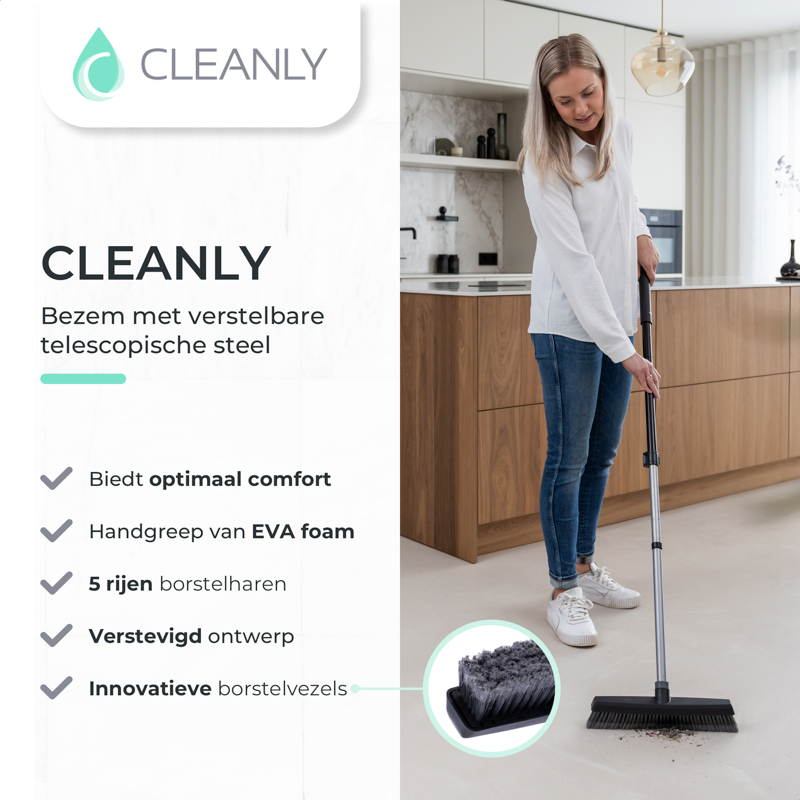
(356, 689)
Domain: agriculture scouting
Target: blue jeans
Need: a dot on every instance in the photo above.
(585, 401)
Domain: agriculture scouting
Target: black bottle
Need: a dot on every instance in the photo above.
(503, 153)
(490, 144)
(481, 147)
(790, 268)
(441, 263)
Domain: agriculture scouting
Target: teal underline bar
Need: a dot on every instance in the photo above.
(83, 377)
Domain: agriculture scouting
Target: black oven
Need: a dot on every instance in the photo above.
(667, 232)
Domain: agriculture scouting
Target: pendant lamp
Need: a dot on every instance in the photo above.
(663, 68)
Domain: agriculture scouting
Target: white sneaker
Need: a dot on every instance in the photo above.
(603, 590)
(568, 616)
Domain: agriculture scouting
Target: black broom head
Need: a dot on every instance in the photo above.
(644, 713)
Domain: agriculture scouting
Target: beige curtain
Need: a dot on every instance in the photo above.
(743, 114)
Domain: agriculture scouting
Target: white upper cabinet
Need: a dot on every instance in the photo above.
(659, 152)
(513, 35)
(635, 40)
(442, 36)
(608, 38)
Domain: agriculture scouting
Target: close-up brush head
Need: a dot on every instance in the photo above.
(510, 678)
(510, 686)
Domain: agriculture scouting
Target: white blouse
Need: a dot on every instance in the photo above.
(584, 283)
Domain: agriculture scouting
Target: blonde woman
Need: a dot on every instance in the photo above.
(592, 244)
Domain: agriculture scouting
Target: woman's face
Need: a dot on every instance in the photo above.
(578, 97)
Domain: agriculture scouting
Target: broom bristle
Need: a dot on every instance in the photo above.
(509, 680)
(654, 722)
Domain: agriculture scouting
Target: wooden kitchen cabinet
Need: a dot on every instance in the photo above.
(628, 473)
(794, 378)
(508, 374)
(438, 407)
(794, 415)
(711, 428)
(514, 32)
(507, 370)
(443, 36)
(512, 445)
(794, 347)
(607, 37)
(729, 334)
(473, 429)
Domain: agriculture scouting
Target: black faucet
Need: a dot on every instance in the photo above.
(413, 231)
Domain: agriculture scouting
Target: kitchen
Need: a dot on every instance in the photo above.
(726, 332)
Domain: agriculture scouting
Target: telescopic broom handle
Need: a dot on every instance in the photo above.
(651, 461)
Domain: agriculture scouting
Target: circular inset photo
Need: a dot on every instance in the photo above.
(491, 688)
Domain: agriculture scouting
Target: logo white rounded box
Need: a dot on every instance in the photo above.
(199, 64)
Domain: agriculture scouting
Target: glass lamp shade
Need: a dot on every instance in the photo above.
(663, 68)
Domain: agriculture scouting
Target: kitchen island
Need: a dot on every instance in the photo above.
(473, 434)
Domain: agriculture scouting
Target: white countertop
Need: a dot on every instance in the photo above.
(465, 285)
(466, 288)
(464, 276)
(725, 282)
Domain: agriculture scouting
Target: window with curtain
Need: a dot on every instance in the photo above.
(743, 115)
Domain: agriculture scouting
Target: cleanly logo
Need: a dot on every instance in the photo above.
(98, 72)
(281, 64)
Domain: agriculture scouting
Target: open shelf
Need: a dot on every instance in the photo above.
(414, 80)
(456, 162)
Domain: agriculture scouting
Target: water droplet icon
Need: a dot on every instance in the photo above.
(98, 72)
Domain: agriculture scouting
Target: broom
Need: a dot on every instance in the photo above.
(660, 711)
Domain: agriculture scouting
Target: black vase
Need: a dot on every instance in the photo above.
(791, 267)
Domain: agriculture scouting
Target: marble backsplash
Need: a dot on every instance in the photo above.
(476, 198)
(425, 116)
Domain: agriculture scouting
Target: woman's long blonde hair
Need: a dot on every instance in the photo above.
(545, 136)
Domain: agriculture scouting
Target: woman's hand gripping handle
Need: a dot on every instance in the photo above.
(642, 369)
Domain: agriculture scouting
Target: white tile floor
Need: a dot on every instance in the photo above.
(732, 603)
